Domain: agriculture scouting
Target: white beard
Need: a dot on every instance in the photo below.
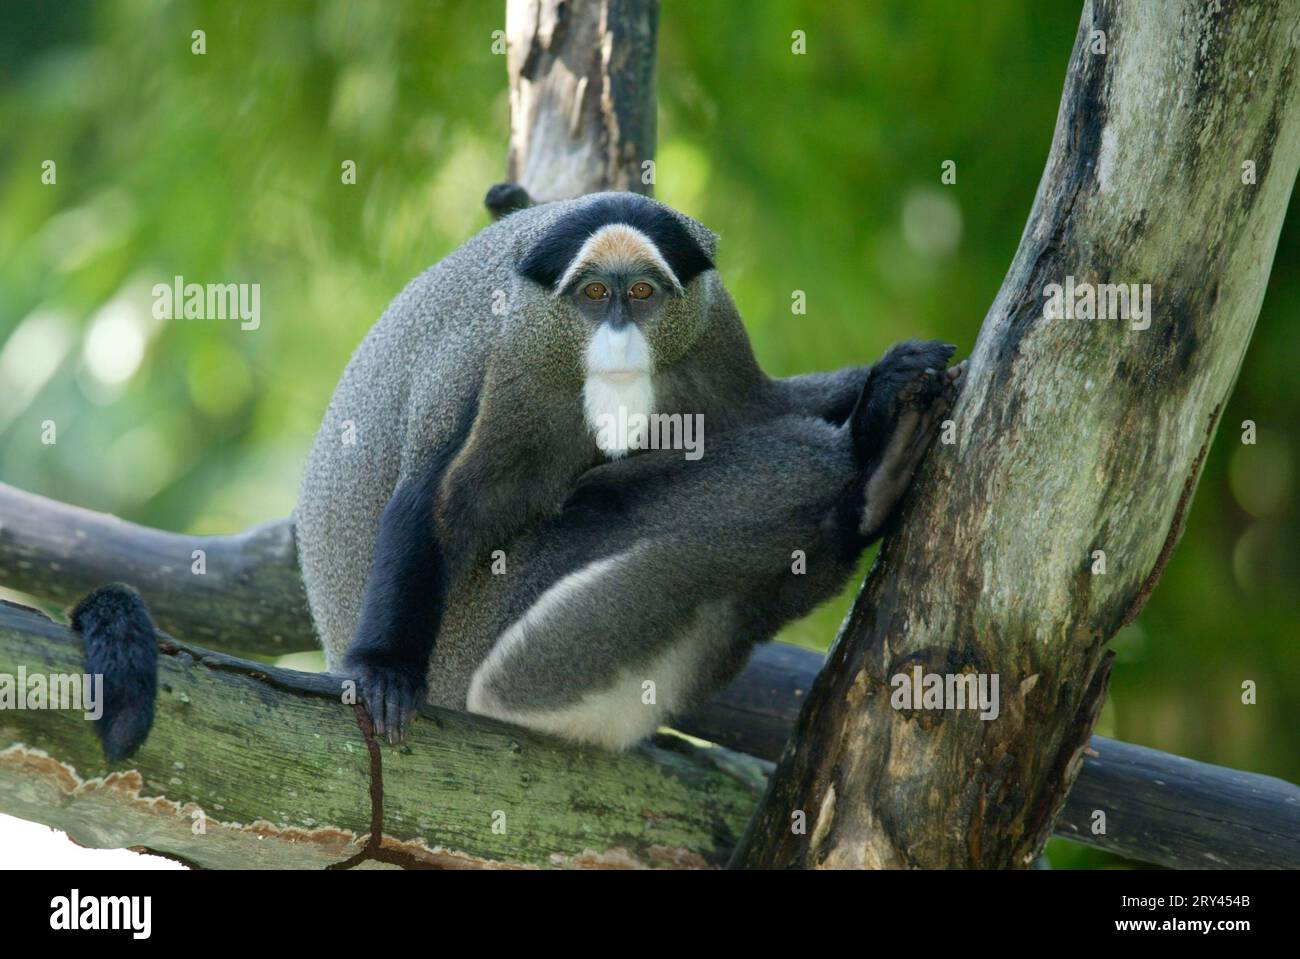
(618, 396)
(618, 413)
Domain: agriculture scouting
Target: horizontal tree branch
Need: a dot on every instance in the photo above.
(278, 773)
(1180, 813)
(249, 599)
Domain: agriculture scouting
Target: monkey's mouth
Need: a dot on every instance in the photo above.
(619, 376)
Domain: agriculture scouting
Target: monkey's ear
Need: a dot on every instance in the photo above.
(705, 238)
(545, 262)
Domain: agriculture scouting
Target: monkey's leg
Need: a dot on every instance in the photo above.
(610, 651)
(902, 404)
(660, 574)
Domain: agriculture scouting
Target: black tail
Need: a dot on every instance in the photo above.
(506, 198)
(121, 645)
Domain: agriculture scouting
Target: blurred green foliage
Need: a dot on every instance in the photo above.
(821, 172)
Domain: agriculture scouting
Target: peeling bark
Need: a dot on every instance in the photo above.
(1074, 435)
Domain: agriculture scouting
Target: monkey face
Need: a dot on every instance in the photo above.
(623, 269)
(619, 308)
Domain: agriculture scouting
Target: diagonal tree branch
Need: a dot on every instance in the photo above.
(1174, 157)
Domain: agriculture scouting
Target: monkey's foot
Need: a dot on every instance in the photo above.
(928, 394)
(392, 694)
(922, 394)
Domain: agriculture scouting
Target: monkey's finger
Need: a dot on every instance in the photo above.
(409, 711)
(913, 355)
(956, 379)
(393, 715)
(374, 696)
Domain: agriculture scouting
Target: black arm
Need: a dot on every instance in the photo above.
(829, 395)
(401, 609)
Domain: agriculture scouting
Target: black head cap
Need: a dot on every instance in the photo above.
(551, 255)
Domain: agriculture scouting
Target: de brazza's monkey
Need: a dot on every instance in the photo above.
(646, 591)
(473, 406)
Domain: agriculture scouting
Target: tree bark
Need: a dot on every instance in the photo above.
(1073, 436)
(1159, 808)
(582, 103)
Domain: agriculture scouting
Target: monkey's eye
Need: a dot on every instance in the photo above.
(596, 291)
(641, 291)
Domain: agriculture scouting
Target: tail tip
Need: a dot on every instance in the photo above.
(505, 198)
(107, 604)
(121, 646)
